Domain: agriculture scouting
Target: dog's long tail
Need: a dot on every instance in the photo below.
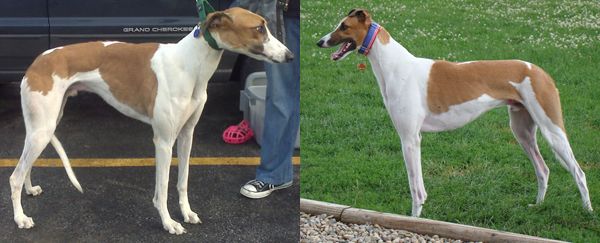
(63, 156)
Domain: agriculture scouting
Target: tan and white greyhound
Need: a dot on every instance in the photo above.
(424, 95)
(163, 85)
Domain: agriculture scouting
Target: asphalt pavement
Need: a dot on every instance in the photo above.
(116, 205)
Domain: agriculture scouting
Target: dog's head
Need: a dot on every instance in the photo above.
(350, 33)
(244, 32)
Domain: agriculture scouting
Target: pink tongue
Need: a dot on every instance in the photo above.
(340, 52)
(334, 55)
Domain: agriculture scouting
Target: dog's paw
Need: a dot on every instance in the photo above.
(173, 227)
(588, 207)
(416, 210)
(24, 222)
(191, 218)
(34, 191)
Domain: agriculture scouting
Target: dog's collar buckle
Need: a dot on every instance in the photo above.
(369, 39)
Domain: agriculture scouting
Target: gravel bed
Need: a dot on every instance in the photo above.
(325, 228)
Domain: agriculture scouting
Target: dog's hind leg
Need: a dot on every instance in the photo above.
(549, 120)
(524, 130)
(40, 114)
(557, 139)
(29, 188)
(34, 145)
(37, 190)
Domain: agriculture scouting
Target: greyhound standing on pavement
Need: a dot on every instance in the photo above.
(163, 85)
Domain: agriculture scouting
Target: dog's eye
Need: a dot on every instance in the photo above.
(260, 29)
(343, 27)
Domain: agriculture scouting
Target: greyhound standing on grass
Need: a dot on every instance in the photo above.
(428, 95)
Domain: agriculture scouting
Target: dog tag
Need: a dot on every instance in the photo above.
(196, 32)
(361, 66)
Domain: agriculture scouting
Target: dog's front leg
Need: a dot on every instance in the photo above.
(408, 122)
(184, 147)
(411, 149)
(164, 151)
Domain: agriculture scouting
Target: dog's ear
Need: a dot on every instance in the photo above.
(351, 11)
(361, 14)
(216, 20)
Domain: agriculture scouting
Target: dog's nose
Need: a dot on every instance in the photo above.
(289, 56)
(320, 43)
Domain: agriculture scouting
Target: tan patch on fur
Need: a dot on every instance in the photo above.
(547, 95)
(383, 36)
(131, 79)
(451, 84)
(124, 67)
(39, 83)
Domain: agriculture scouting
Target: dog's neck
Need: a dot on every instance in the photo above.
(390, 55)
(197, 56)
(197, 61)
(392, 51)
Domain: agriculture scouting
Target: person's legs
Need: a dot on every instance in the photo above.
(282, 115)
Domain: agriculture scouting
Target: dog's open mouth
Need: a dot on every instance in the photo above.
(343, 51)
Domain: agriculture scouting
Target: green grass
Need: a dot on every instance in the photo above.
(476, 175)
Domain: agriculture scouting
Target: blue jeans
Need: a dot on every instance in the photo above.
(282, 113)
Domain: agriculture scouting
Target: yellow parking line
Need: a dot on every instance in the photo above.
(125, 162)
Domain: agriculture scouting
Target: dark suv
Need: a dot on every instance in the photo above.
(29, 27)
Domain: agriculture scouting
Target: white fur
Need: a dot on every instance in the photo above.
(325, 39)
(108, 43)
(274, 49)
(51, 50)
(403, 80)
(528, 64)
(182, 71)
(459, 115)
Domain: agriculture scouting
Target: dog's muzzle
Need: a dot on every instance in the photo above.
(320, 43)
(289, 56)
